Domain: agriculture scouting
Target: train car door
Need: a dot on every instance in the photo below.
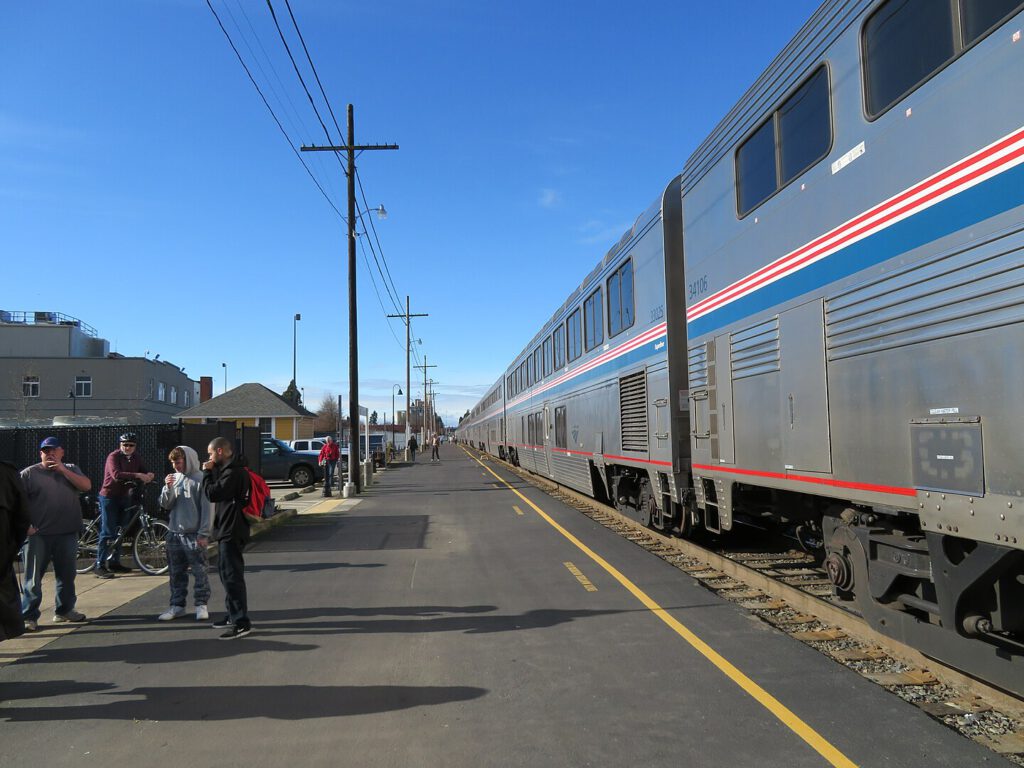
(546, 436)
(720, 416)
(806, 443)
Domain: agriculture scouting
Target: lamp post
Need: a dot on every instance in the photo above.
(74, 403)
(225, 367)
(295, 337)
(394, 416)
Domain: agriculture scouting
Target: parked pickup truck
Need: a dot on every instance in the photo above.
(280, 462)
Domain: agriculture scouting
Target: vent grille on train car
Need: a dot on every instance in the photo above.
(755, 350)
(698, 365)
(963, 291)
(633, 408)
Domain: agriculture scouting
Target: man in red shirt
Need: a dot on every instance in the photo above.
(121, 471)
(329, 455)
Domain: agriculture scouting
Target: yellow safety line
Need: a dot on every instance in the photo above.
(815, 740)
(587, 584)
(517, 509)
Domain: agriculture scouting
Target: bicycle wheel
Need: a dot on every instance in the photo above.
(88, 541)
(150, 547)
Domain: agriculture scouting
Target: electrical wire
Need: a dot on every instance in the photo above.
(271, 109)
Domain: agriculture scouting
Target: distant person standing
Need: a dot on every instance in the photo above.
(435, 444)
(329, 456)
(122, 469)
(14, 524)
(226, 483)
(413, 445)
(189, 534)
(55, 515)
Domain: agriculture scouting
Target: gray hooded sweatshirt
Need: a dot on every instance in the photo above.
(190, 511)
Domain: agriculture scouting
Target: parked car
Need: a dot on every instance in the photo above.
(281, 462)
(308, 444)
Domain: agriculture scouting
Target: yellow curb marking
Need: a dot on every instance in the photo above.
(788, 718)
(517, 509)
(587, 585)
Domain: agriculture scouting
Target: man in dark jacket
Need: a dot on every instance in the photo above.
(226, 484)
(14, 524)
(122, 469)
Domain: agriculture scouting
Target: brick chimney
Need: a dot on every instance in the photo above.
(205, 388)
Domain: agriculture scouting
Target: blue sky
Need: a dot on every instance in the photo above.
(145, 188)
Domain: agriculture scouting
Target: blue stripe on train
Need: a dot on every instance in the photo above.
(997, 195)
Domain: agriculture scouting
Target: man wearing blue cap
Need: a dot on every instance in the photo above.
(52, 488)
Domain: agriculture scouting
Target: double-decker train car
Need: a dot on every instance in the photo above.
(851, 275)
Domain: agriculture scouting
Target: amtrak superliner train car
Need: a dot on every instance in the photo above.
(828, 333)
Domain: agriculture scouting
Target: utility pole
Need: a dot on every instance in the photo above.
(353, 332)
(408, 378)
(423, 426)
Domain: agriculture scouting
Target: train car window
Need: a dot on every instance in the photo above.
(560, 436)
(575, 341)
(904, 42)
(547, 356)
(558, 337)
(593, 322)
(979, 16)
(805, 127)
(620, 299)
(756, 179)
(538, 365)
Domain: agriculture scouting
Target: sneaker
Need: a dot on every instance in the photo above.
(202, 614)
(102, 573)
(118, 568)
(235, 632)
(71, 617)
(172, 613)
(222, 623)
(31, 625)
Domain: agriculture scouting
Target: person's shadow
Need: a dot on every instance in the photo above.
(239, 702)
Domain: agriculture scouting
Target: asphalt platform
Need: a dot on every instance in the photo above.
(449, 617)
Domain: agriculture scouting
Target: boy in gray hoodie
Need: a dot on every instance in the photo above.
(190, 533)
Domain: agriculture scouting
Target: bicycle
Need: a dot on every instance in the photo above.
(149, 545)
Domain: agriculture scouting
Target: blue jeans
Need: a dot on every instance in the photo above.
(184, 553)
(39, 551)
(329, 468)
(113, 515)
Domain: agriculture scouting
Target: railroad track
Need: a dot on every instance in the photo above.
(789, 590)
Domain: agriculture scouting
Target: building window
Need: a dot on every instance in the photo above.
(83, 386)
(149, 390)
(187, 397)
(593, 323)
(161, 391)
(620, 299)
(174, 395)
(30, 386)
(560, 433)
(575, 339)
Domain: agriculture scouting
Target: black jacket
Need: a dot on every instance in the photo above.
(228, 487)
(14, 519)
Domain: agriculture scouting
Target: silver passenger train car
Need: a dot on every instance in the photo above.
(828, 333)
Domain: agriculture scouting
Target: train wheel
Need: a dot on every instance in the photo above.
(649, 512)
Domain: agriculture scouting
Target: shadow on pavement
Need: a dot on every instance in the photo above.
(49, 688)
(163, 652)
(240, 702)
(303, 567)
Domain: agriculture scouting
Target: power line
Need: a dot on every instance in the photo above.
(271, 109)
(309, 58)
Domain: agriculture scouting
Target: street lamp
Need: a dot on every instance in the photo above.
(394, 416)
(74, 403)
(225, 367)
(295, 337)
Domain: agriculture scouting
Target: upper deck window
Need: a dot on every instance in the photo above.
(593, 321)
(547, 356)
(559, 341)
(575, 340)
(905, 42)
(620, 299)
(796, 136)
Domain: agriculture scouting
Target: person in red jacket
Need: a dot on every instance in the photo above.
(329, 456)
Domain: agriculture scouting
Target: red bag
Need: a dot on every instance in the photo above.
(259, 492)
